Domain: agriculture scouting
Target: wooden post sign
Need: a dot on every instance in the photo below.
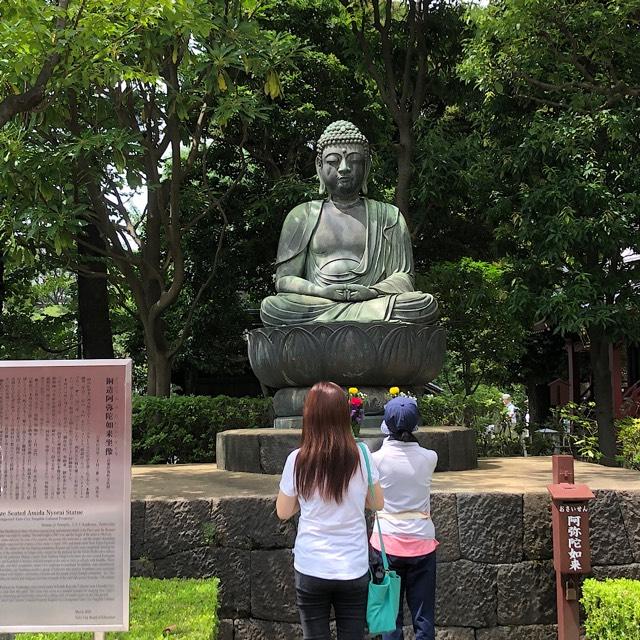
(571, 551)
(572, 524)
(65, 491)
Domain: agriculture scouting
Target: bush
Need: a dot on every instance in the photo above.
(187, 607)
(183, 428)
(579, 430)
(613, 609)
(482, 408)
(629, 440)
(477, 410)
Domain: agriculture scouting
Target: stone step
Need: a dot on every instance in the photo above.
(266, 450)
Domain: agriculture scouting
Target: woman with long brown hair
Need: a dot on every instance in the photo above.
(326, 480)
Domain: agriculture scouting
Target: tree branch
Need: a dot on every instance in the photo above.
(189, 319)
(22, 102)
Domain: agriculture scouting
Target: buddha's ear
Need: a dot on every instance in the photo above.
(365, 180)
(322, 188)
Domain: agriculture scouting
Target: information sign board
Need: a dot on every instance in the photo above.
(65, 491)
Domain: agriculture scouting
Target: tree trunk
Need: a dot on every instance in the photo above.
(539, 402)
(151, 373)
(96, 337)
(603, 395)
(163, 375)
(405, 170)
(158, 374)
(159, 363)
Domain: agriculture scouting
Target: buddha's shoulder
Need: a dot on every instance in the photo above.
(385, 206)
(302, 211)
(305, 210)
(385, 209)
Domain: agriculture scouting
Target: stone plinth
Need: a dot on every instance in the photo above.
(265, 450)
(378, 354)
(288, 402)
(295, 422)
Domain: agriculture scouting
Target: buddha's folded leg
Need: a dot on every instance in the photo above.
(415, 306)
(294, 308)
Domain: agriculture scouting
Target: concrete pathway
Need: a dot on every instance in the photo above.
(506, 475)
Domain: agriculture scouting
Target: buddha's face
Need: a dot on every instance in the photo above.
(343, 169)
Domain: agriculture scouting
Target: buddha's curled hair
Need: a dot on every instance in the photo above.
(342, 132)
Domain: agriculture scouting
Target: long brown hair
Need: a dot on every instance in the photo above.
(328, 455)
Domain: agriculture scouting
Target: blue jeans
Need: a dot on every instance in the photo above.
(315, 596)
(418, 584)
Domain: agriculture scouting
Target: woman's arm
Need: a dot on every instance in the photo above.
(375, 502)
(287, 506)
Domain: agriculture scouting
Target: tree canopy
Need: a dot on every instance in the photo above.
(150, 150)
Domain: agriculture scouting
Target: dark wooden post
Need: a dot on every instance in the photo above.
(615, 358)
(574, 372)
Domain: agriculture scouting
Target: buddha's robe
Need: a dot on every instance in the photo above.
(386, 265)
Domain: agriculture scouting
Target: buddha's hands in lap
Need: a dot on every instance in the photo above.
(349, 293)
(359, 293)
(337, 292)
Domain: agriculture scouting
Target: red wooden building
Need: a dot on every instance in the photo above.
(624, 360)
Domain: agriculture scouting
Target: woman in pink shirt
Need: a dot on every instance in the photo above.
(408, 533)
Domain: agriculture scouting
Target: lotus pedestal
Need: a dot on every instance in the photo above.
(372, 357)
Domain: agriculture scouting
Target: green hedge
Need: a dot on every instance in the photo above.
(613, 609)
(185, 427)
(629, 440)
(480, 409)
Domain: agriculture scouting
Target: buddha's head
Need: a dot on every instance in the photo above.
(343, 160)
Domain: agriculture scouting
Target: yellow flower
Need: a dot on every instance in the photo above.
(394, 391)
(353, 391)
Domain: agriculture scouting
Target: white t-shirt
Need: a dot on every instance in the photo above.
(406, 470)
(332, 538)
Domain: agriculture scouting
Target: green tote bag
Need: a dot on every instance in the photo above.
(384, 598)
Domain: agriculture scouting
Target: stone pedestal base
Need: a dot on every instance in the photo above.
(372, 423)
(265, 450)
(289, 402)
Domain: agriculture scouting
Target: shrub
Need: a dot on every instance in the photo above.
(629, 440)
(579, 429)
(183, 428)
(476, 410)
(613, 609)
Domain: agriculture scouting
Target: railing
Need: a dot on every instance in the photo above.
(631, 401)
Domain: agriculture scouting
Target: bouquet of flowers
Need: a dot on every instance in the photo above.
(356, 406)
(394, 392)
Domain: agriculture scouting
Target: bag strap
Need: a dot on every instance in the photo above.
(365, 454)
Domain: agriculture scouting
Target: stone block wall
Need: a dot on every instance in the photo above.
(495, 577)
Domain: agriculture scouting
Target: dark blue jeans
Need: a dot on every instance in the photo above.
(418, 584)
(315, 596)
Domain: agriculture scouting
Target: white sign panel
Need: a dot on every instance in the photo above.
(65, 491)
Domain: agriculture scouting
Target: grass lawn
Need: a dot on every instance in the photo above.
(188, 607)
